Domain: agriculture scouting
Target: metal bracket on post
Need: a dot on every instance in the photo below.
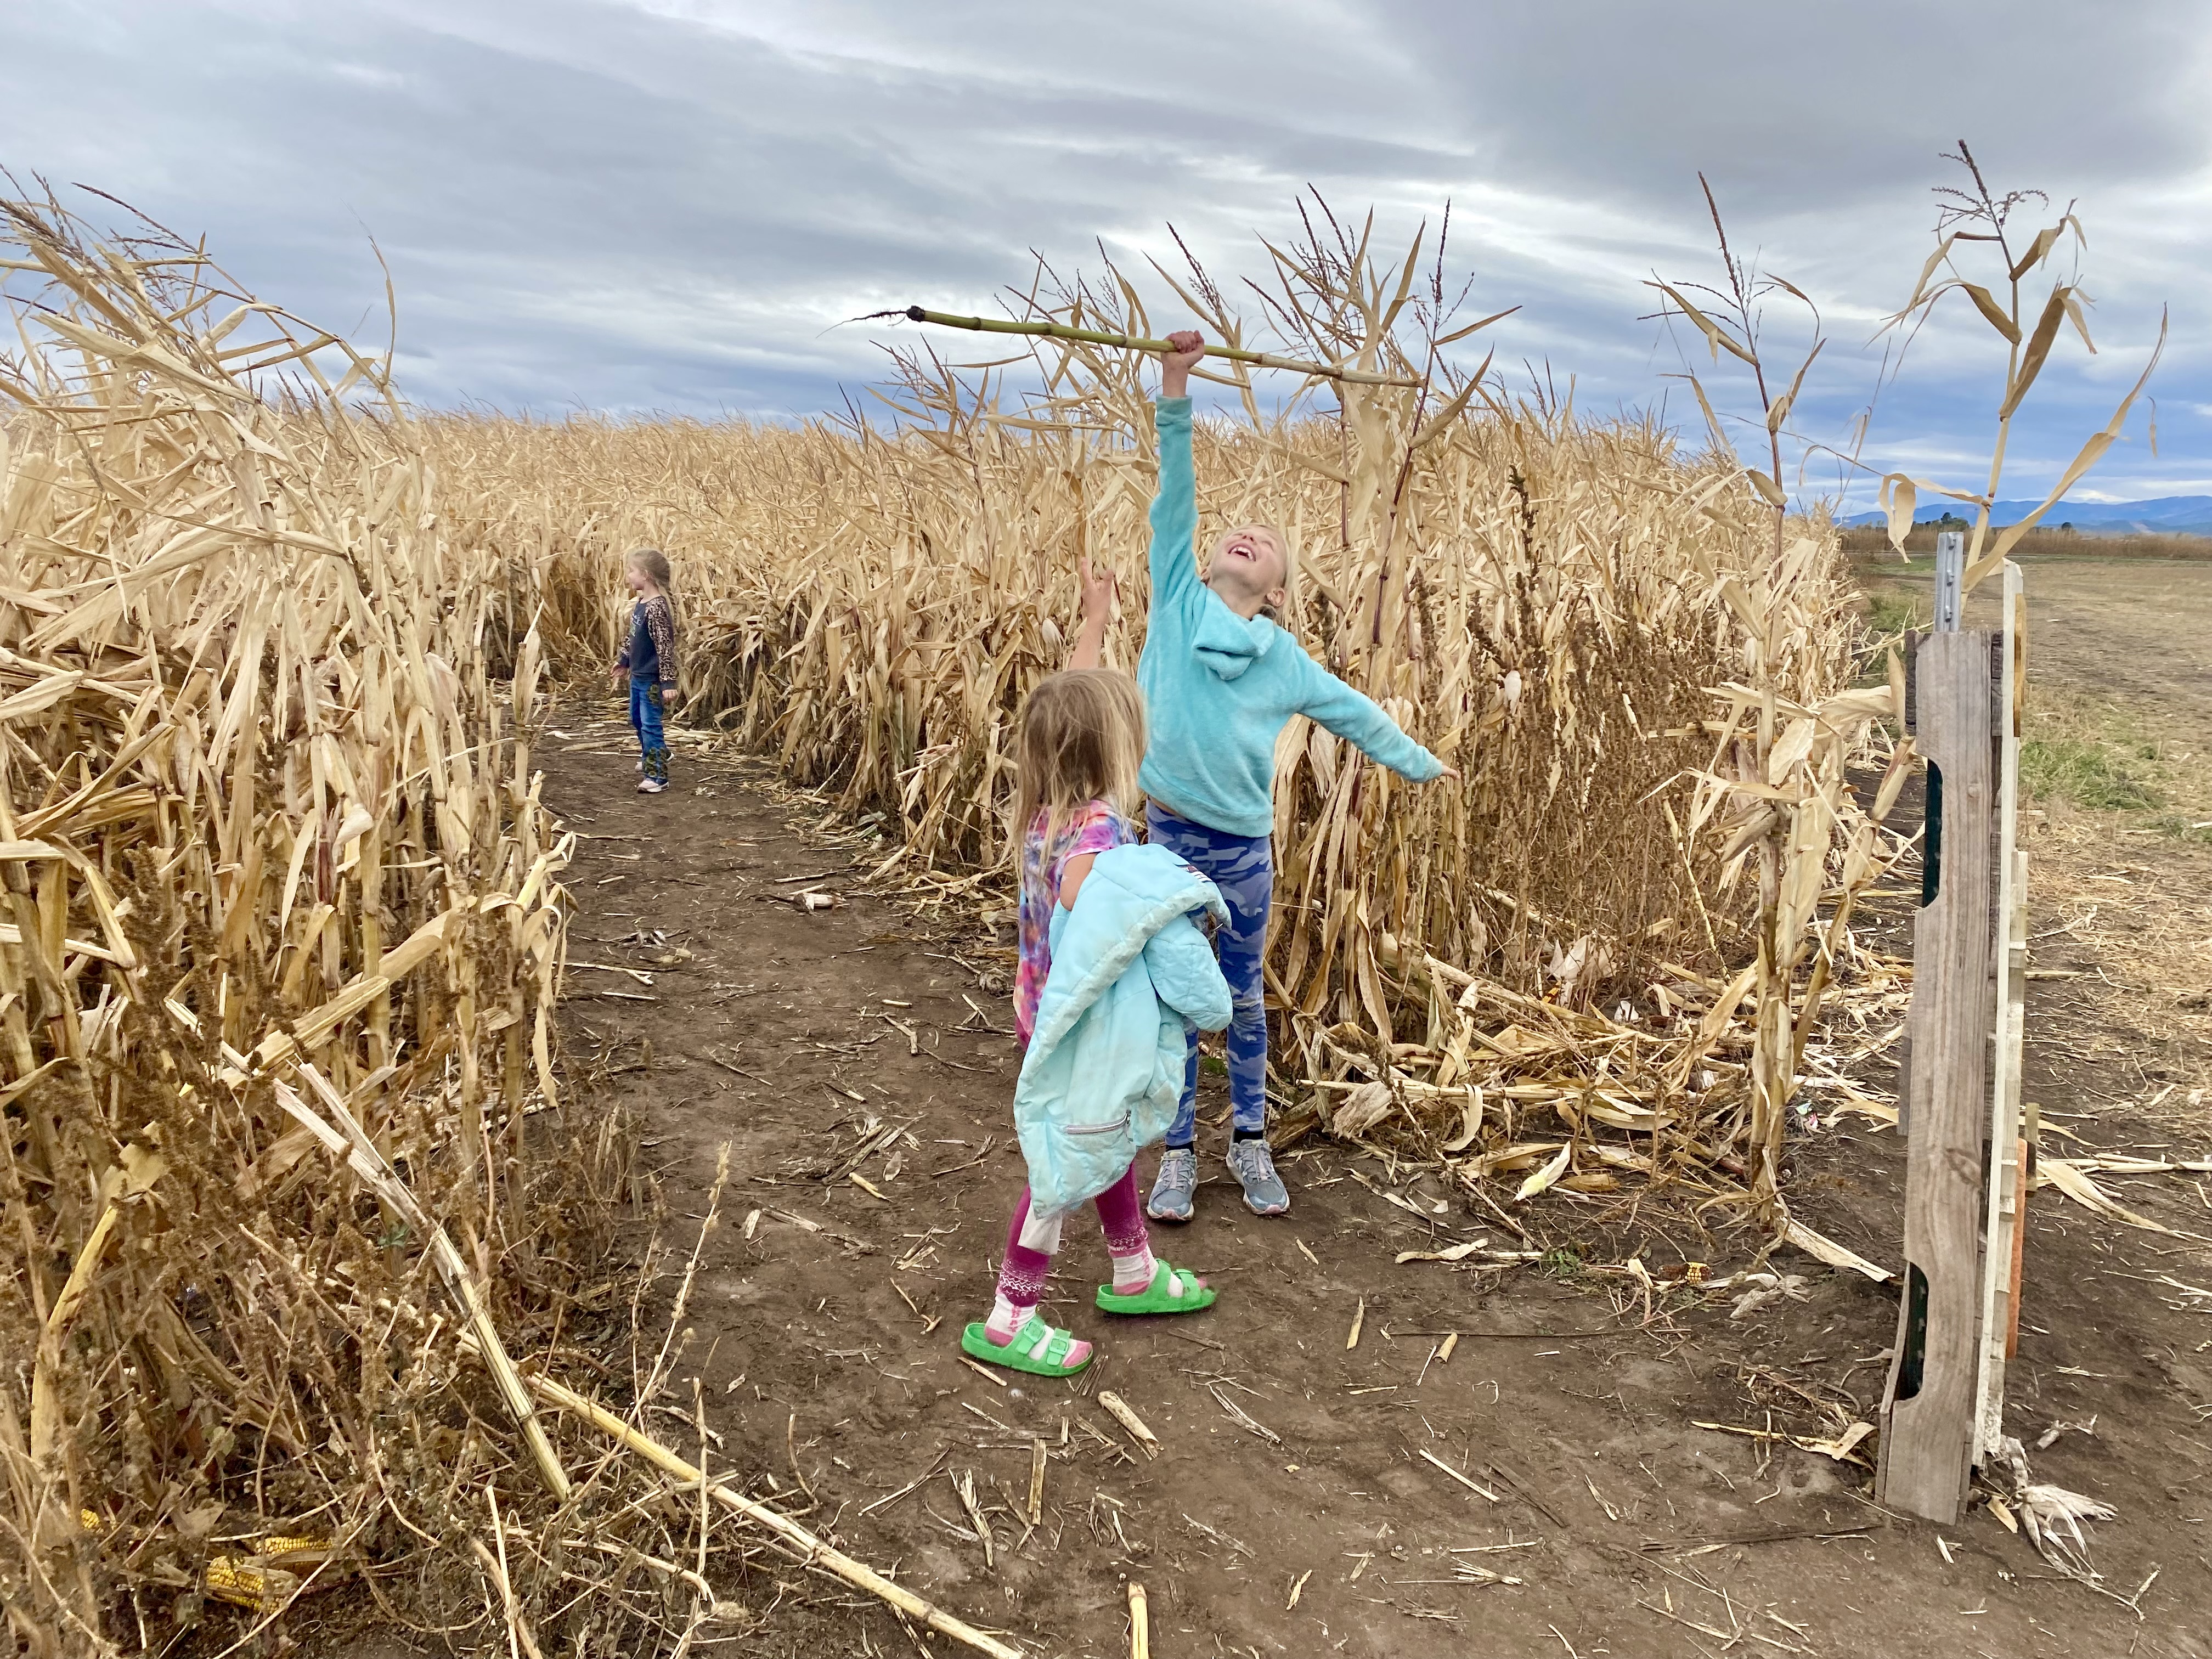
(1950, 572)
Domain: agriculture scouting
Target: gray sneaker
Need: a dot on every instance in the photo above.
(1173, 1186)
(1254, 1166)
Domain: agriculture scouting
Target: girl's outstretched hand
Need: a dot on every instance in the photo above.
(1174, 366)
(1451, 772)
(1098, 590)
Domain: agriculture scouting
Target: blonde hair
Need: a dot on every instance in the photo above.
(654, 563)
(1082, 740)
(1280, 615)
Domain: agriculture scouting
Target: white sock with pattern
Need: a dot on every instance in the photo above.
(1133, 1274)
(1006, 1317)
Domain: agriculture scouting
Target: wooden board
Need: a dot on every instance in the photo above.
(1928, 1410)
(2001, 1237)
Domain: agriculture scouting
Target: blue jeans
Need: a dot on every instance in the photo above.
(1242, 868)
(645, 720)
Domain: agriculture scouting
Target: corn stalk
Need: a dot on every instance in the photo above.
(265, 801)
(1776, 785)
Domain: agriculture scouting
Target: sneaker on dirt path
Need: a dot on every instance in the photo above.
(653, 786)
(1254, 1166)
(1172, 1189)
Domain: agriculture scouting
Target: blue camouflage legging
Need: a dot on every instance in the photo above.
(1242, 868)
(645, 720)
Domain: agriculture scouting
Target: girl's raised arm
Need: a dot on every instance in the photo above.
(1097, 610)
(1174, 556)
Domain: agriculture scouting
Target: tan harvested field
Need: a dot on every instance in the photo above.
(1869, 544)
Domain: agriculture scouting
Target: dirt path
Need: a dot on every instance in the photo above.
(1294, 1508)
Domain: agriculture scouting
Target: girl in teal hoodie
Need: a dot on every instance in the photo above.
(1221, 679)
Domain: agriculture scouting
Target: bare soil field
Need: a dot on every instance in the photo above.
(1580, 1474)
(2117, 822)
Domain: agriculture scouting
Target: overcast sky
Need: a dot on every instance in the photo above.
(663, 205)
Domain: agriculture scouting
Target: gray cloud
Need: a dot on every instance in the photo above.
(665, 206)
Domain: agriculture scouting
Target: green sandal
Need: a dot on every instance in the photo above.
(1038, 1348)
(1157, 1298)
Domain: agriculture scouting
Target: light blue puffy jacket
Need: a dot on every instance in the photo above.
(1131, 972)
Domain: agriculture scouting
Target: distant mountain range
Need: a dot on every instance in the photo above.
(2168, 516)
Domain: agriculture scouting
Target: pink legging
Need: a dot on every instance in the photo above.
(1031, 1242)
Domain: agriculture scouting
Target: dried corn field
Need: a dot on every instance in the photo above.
(283, 1148)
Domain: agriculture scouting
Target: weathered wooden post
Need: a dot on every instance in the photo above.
(2012, 1140)
(1929, 1410)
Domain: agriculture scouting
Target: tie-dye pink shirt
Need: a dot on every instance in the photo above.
(1092, 828)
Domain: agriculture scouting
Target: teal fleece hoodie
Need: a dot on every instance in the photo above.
(1131, 973)
(1219, 690)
